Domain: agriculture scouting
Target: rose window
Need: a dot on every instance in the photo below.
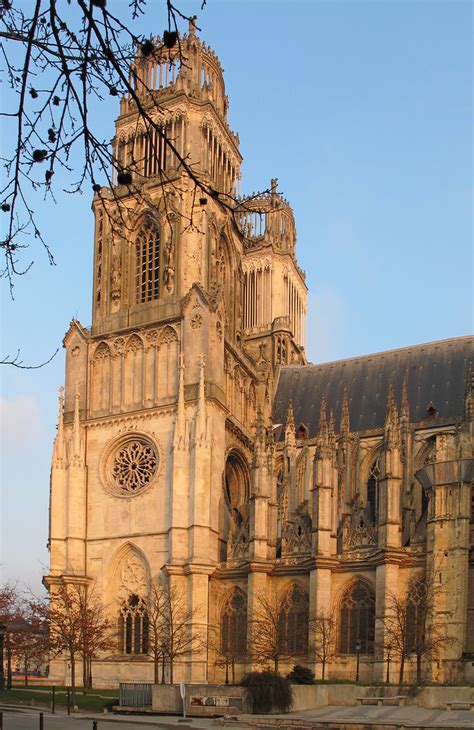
(134, 465)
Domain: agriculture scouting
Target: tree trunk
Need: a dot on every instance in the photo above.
(84, 675)
(171, 670)
(155, 669)
(73, 680)
(402, 669)
(25, 667)
(418, 669)
(89, 674)
(323, 670)
(163, 662)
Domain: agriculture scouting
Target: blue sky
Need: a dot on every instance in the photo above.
(363, 110)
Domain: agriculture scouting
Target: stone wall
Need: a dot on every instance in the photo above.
(201, 699)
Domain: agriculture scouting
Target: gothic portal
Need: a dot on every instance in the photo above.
(195, 441)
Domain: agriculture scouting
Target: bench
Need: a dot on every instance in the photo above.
(460, 705)
(397, 700)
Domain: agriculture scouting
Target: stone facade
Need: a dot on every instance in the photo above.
(167, 459)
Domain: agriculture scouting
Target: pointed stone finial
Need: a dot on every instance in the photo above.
(331, 432)
(469, 395)
(201, 417)
(345, 418)
(323, 426)
(76, 427)
(405, 407)
(59, 451)
(392, 430)
(179, 438)
(290, 436)
(192, 26)
(259, 426)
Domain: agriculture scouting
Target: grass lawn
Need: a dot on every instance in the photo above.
(42, 698)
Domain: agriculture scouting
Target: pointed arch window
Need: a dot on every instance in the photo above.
(234, 626)
(416, 609)
(147, 263)
(133, 626)
(293, 622)
(357, 620)
(373, 491)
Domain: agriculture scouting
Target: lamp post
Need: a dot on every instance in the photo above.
(3, 631)
(358, 648)
(389, 650)
(227, 669)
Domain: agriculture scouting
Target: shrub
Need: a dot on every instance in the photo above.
(301, 675)
(269, 691)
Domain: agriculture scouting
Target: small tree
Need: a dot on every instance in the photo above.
(77, 626)
(170, 634)
(395, 633)
(425, 636)
(325, 636)
(156, 636)
(62, 613)
(409, 627)
(279, 626)
(28, 638)
(96, 632)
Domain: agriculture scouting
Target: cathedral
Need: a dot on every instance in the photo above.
(196, 442)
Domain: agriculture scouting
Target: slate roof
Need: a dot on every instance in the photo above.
(436, 372)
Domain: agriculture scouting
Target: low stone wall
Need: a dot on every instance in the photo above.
(308, 697)
(202, 700)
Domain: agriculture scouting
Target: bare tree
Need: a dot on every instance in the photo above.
(410, 627)
(395, 632)
(171, 635)
(77, 626)
(156, 638)
(96, 632)
(271, 639)
(325, 637)
(27, 637)
(425, 635)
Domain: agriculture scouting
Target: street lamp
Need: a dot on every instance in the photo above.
(389, 649)
(227, 669)
(3, 631)
(358, 648)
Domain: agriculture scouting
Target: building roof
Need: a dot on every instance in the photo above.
(435, 373)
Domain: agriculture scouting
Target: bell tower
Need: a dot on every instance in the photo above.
(164, 436)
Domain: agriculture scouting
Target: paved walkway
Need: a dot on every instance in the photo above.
(409, 716)
(336, 716)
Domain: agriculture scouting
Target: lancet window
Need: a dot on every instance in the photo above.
(133, 626)
(357, 620)
(416, 608)
(373, 491)
(147, 263)
(234, 626)
(293, 622)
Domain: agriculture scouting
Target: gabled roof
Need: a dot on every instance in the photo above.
(435, 373)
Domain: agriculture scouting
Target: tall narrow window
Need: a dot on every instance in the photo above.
(357, 620)
(133, 627)
(293, 622)
(373, 491)
(234, 626)
(147, 264)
